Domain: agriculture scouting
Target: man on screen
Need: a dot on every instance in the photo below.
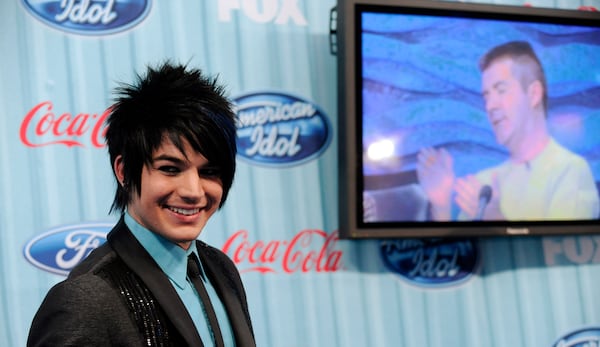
(540, 180)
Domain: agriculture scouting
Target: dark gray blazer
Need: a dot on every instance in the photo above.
(118, 296)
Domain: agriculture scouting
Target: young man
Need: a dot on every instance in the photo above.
(541, 179)
(171, 141)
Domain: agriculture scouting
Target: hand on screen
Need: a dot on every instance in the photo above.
(467, 195)
(369, 208)
(435, 172)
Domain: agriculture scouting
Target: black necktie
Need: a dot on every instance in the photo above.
(194, 274)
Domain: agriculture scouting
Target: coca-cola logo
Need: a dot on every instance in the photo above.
(42, 127)
(59, 250)
(276, 129)
(585, 337)
(310, 250)
(431, 262)
(89, 17)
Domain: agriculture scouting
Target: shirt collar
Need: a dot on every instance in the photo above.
(545, 155)
(541, 159)
(171, 258)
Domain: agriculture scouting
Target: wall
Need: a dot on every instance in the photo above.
(305, 287)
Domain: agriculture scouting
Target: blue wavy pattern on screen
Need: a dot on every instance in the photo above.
(421, 85)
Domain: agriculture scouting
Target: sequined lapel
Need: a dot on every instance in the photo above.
(137, 259)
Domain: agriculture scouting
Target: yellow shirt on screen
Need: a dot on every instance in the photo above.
(557, 184)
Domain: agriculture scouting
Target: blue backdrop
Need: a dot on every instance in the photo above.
(305, 287)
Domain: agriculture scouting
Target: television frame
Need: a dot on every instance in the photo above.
(350, 151)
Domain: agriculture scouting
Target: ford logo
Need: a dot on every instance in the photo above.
(276, 129)
(585, 337)
(60, 249)
(89, 17)
(431, 262)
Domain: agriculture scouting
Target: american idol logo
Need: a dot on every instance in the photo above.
(431, 262)
(89, 17)
(585, 337)
(276, 129)
(59, 250)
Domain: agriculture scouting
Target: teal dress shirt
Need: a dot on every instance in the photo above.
(172, 259)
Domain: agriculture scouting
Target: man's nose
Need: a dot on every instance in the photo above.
(191, 187)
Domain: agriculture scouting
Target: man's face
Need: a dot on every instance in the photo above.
(507, 103)
(179, 193)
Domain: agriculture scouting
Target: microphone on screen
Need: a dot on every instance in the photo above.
(485, 195)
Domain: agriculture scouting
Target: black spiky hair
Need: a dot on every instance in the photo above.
(176, 102)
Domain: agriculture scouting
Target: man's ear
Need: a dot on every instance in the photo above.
(535, 92)
(119, 170)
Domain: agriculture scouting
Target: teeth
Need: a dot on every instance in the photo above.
(184, 211)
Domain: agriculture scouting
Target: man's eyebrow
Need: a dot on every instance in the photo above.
(499, 84)
(494, 86)
(168, 157)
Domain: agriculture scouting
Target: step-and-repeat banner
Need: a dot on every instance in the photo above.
(62, 58)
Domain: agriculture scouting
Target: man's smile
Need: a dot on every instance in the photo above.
(184, 211)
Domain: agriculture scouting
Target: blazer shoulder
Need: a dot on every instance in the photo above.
(83, 310)
(98, 258)
(217, 257)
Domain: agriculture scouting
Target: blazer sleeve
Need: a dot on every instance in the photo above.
(82, 312)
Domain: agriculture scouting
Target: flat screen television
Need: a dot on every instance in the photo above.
(422, 125)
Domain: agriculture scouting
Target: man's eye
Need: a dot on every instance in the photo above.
(168, 169)
(210, 172)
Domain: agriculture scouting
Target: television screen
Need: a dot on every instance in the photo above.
(463, 119)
